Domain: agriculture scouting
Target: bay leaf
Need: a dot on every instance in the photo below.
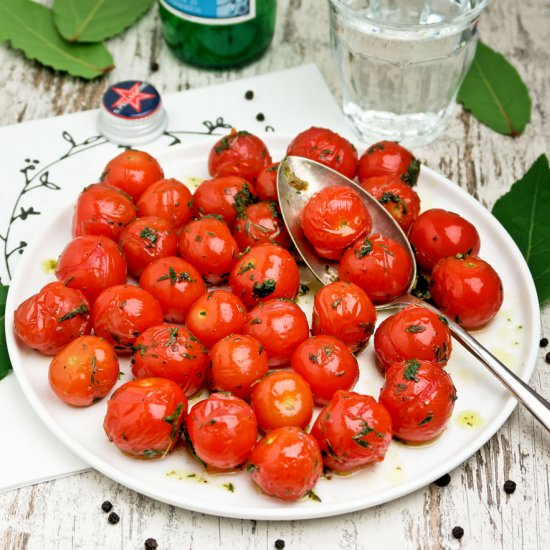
(495, 94)
(523, 211)
(30, 27)
(96, 20)
(5, 365)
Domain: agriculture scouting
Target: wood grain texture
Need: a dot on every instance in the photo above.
(66, 513)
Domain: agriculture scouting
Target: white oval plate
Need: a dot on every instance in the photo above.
(513, 336)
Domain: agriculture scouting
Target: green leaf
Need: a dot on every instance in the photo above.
(96, 20)
(495, 94)
(29, 27)
(523, 211)
(5, 365)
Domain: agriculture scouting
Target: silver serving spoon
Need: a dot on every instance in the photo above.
(298, 180)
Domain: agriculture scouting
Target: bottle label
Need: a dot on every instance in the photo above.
(212, 12)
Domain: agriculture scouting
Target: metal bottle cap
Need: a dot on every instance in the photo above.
(131, 113)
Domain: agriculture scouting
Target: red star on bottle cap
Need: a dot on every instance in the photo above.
(132, 96)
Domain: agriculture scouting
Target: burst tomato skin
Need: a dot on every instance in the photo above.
(260, 223)
(122, 312)
(379, 265)
(238, 154)
(173, 352)
(266, 183)
(328, 148)
(327, 365)
(419, 396)
(333, 219)
(438, 233)
(50, 319)
(102, 210)
(208, 245)
(132, 171)
(216, 315)
(144, 417)
(169, 199)
(286, 463)
(413, 333)
(175, 283)
(353, 431)
(145, 240)
(266, 271)
(84, 371)
(282, 398)
(223, 196)
(280, 326)
(238, 361)
(91, 263)
(344, 310)
(388, 158)
(222, 430)
(468, 290)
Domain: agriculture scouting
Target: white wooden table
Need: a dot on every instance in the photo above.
(66, 513)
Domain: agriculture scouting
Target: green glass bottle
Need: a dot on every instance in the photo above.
(218, 34)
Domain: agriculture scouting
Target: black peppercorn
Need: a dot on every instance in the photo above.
(509, 487)
(107, 506)
(543, 342)
(113, 518)
(458, 532)
(151, 544)
(260, 117)
(249, 94)
(547, 358)
(443, 481)
(279, 544)
(154, 66)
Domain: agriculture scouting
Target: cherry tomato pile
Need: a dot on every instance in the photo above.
(137, 280)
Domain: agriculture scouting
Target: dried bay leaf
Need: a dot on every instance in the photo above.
(30, 27)
(96, 20)
(5, 365)
(495, 94)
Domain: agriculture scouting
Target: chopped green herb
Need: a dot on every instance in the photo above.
(150, 235)
(415, 328)
(261, 290)
(426, 420)
(366, 248)
(411, 369)
(82, 309)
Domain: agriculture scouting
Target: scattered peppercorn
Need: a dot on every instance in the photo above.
(107, 506)
(547, 358)
(458, 532)
(260, 117)
(543, 342)
(249, 94)
(151, 544)
(113, 518)
(509, 487)
(154, 66)
(443, 481)
(279, 544)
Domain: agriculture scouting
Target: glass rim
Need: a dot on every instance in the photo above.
(462, 19)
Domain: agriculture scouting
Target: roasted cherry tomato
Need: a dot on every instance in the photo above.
(420, 396)
(353, 430)
(222, 430)
(280, 326)
(102, 210)
(286, 463)
(260, 223)
(333, 219)
(51, 318)
(379, 265)
(468, 290)
(344, 310)
(327, 365)
(122, 312)
(326, 147)
(266, 183)
(208, 245)
(132, 171)
(388, 158)
(238, 154)
(438, 233)
(413, 333)
(266, 271)
(282, 398)
(91, 263)
(175, 283)
(169, 199)
(238, 360)
(398, 198)
(145, 416)
(224, 196)
(84, 371)
(145, 240)
(171, 351)
(216, 315)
